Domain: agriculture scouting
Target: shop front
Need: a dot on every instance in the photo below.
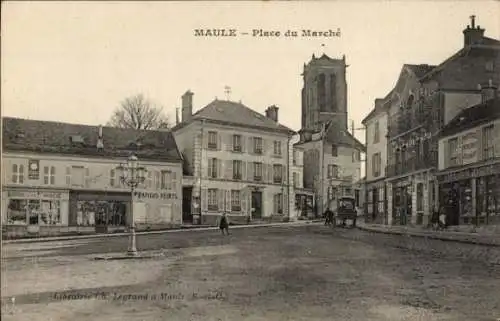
(101, 211)
(402, 204)
(34, 211)
(376, 203)
(155, 210)
(471, 195)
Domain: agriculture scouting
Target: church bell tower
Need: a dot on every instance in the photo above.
(324, 94)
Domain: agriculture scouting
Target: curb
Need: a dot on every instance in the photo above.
(432, 237)
(185, 229)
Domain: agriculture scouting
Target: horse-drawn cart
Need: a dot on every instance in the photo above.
(346, 210)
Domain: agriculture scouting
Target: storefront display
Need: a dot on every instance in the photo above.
(90, 213)
(35, 207)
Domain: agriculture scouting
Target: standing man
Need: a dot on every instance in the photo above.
(224, 224)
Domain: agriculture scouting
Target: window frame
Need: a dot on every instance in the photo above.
(213, 204)
(212, 140)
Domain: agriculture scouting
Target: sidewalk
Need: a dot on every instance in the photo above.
(487, 235)
(184, 228)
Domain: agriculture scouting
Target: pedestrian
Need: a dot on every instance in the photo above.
(328, 217)
(442, 218)
(224, 224)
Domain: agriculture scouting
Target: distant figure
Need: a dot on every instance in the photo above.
(328, 217)
(442, 218)
(224, 224)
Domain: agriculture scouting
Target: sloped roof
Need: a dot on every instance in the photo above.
(420, 70)
(472, 117)
(55, 137)
(238, 114)
(334, 135)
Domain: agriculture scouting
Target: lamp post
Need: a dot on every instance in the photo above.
(131, 174)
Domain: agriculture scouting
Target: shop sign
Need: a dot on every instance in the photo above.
(155, 195)
(34, 169)
(36, 194)
(469, 148)
(402, 183)
(470, 173)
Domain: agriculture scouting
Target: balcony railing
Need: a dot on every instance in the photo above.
(412, 164)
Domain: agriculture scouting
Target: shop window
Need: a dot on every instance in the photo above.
(49, 175)
(91, 213)
(18, 174)
(235, 201)
(33, 212)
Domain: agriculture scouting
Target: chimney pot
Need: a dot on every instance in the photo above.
(272, 113)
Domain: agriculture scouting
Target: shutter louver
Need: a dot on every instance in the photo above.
(174, 181)
(209, 167)
(243, 144)
(219, 141)
(229, 142)
(229, 169)
(250, 166)
(220, 173)
(250, 145)
(204, 199)
(244, 175)
(221, 193)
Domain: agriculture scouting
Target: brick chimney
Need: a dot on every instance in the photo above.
(272, 113)
(187, 106)
(473, 34)
(488, 91)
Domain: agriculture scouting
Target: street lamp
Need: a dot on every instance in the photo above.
(131, 174)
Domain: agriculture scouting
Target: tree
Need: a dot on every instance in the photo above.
(138, 112)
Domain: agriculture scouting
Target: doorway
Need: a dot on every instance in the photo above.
(257, 205)
(187, 211)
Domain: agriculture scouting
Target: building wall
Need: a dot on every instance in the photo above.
(197, 133)
(470, 145)
(95, 177)
(455, 102)
(373, 148)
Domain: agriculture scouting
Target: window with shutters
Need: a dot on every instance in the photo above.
(212, 168)
(277, 148)
(166, 180)
(376, 164)
(295, 180)
(257, 171)
(235, 201)
(213, 204)
(237, 169)
(333, 171)
(212, 140)
(277, 173)
(237, 143)
(149, 180)
(257, 145)
(452, 152)
(157, 180)
(278, 203)
(18, 174)
(49, 175)
(112, 178)
(488, 142)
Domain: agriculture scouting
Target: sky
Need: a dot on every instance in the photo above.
(76, 61)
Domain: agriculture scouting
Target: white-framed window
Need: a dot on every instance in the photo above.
(333, 171)
(237, 143)
(376, 164)
(212, 140)
(18, 173)
(278, 203)
(277, 148)
(277, 173)
(213, 204)
(257, 171)
(112, 178)
(166, 180)
(49, 175)
(295, 180)
(488, 142)
(237, 169)
(21, 211)
(235, 201)
(212, 167)
(257, 145)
